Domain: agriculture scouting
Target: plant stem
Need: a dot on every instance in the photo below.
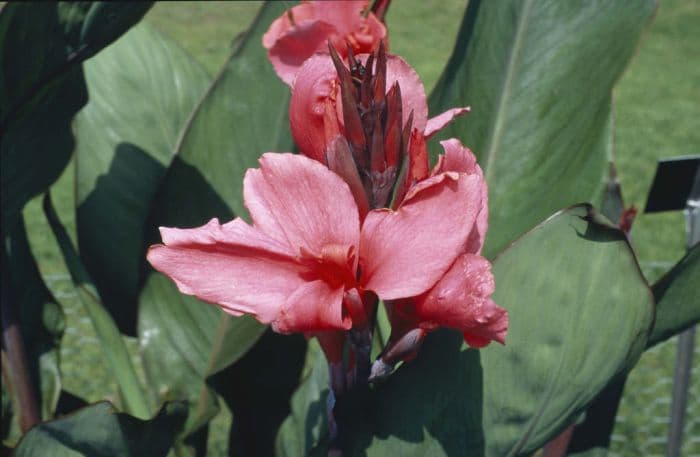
(17, 372)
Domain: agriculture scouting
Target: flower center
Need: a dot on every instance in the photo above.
(335, 265)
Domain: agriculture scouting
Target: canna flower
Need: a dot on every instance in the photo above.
(307, 263)
(306, 29)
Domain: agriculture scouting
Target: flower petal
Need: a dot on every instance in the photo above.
(300, 13)
(313, 306)
(291, 50)
(301, 204)
(461, 299)
(306, 29)
(404, 252)
(437, 123)
(461, 159)
(234, 265)
(315, 86)
(412, 91)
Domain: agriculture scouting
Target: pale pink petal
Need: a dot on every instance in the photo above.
(461, 159)
(461, 299)
(313, 306)
(315, 85)
(243, 270)
(301, 203)
(293, 48)
(404, 252)
(235, 232)
(437, 123)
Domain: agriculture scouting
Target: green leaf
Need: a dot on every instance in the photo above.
(115, 353)
(580, 312)
(243, 115)
(142, 90)
(184, 341)
(677, 298)
(42, 86)
(677, 308)
(39, 316)
(100, 431)
(308, 407)
(538, 75)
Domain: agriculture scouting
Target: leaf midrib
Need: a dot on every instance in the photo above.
(495, 133)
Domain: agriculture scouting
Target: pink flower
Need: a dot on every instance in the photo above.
(307, 263)
(306, 29)
(461, 298)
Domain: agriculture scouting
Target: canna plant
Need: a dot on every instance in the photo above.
(395, 251)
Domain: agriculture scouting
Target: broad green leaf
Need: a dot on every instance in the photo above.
(39, 316)
(538, 75)
(142, 90)
(42, 46)
(184, 341)
(580, 312)
(678, 298)
(116, 355)
(100, 431)
(243, 115)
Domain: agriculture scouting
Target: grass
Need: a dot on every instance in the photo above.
(657, 106)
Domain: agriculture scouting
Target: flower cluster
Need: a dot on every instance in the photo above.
(358, 216)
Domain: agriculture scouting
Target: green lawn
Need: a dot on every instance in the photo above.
(657, 106)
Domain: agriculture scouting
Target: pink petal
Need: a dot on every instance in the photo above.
(461, 159)
(315, 85)
(404, 252)
(346, 15)
(301, 203)
(292, 49)
(461, 299)
(300, 13)
(456, 158)
(233, 232)
(313, 306)
(367, 36)
(412, 90)
(233, 265)
(437, 123)
(363, 34)
(306, 29)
